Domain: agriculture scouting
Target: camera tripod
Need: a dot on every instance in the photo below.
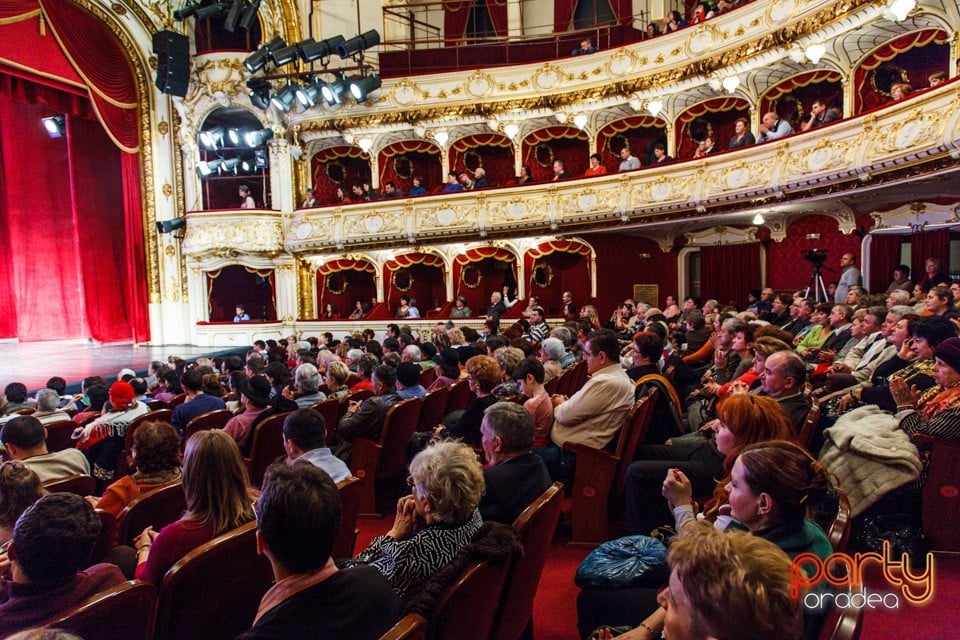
(816, 285)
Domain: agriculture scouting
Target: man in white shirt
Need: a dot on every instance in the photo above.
(628, 162)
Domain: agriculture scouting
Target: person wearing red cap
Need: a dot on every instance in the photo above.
(102, 439)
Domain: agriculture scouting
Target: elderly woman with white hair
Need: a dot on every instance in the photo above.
(551, 352)
(48, 407)
(435, 521)
(305, 390)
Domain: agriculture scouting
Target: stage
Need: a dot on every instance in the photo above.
(33, 363)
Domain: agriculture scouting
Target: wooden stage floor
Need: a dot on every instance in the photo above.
(33, 363)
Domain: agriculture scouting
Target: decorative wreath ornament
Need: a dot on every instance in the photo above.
(542, 275)
(336, 283)
(472, 160)
(471, 276)
(544, 155)
(615, 143)
(401, 280)
(402, 167)
(336, 172)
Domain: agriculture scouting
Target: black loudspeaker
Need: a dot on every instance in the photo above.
(173, 62)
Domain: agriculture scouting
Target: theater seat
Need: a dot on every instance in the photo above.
(124, 612)
(350, 491)
(434, 406)
(213, 592)
(79, 484)
(599, 475)
(266, 446)
(209, 420)
(410, 627)
(467, 608)
(156, 508)
(59, 435)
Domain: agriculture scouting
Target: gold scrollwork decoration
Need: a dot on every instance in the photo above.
(336, 283)
(401, 280)
(471, 277)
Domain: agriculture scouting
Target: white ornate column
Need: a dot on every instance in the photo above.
(285, 289)
(282, 190)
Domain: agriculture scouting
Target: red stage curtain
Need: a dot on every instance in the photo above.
(103, 64)
(428, 287)
(456, 14)
(354, 284)
(567, 144)
(884, 257)
(237, 284)
(338, 167)
(639, 132)
(497, 267)
(569, 264)
(929, 244)
(727, 272)
(721, 113)
(494, 152)
(424, 159)
(912, 55)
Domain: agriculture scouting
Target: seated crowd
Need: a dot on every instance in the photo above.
(726, 444)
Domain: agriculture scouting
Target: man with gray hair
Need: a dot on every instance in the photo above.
(353, 359)
(411, 353)
(48, 411)
(551, 350)
(306, 378)
(515, 477)
(564, 335)
(898, 297)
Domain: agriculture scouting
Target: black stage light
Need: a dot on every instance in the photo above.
(285, 55)
(308, 94)
(311, 50)
(56, 126)
(189, 10)
(212, 138)
(211, 11)
(259, 93)
(250, 15)
(259, 58)
(209, 167)
(284, 98)
(358, 43)
(169, 226)
(332, 91)
(233, 15)
(361, 88)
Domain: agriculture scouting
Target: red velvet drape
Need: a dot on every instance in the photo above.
(562, 14)
(428, 286)
(497, 267)
(355, 283)
(727, 272)
(498, 16)
(884, 257)
(492, 151)
(567, 144)
(569, 269)
(456, 14)
(916, 55)
(338, 167)
(237, 284)
(720, 113)
(786, 268)
(792, 97)
(423, 159)
(929, 244)
(640, 133)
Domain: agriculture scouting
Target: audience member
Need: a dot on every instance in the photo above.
(408, 381)
(901, 279)
(629, 162)
(480, 178)
(704, 147)
(660, 153)
(820, 114)
(19, 488)
(246, 199)
(196, 403)
(849, 277)
(435, 521)
(936, 79)
(219, 499)
(783, 378)
(51, 543)
(899, 91)
(305, 438)
(417, 189)
(390, 190)
(596, 167)
(453, 184)
(16, 395)
(310, 200)
(460, 308)
(742, 136)
(298, 520)
(24, 438)
(559, 173)
(586, 46)
(365, 419)
(514, 477)
(255, 399)
(525, 177)
(773, 128)
(530, 378)
(48, 407)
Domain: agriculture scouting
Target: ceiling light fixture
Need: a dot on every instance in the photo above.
(815, 52)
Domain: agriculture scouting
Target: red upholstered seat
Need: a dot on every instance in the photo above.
(78, 484)
(124, 612)
(266, 447)
(434, 406)
(351, 490)
(59, 435)
(410, 627)
(156, 508)
(205, 421)
(330, 410)
(459, 396)
(467, 608)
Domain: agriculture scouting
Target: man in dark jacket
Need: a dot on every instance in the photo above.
(365, 419)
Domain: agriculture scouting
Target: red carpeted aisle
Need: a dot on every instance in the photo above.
(555, 608)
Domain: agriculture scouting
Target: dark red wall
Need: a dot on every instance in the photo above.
(786, 268)
(619, 268)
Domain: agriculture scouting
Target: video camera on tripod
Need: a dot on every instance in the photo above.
(816, 257)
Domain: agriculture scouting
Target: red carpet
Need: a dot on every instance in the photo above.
(555, 608)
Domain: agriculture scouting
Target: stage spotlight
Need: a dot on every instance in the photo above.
(259, 93)
(250, 15)
(284, 98)
(205, 169)
(332, 91)
(212, 138)
(247, 165)
(311, 50)
(56, 126)
(257, 138)
(308, 95)
(237, 9)
(211, 11)
(358, 44)
(182, 14)
(360, 88)
(235, 136)
(259, 58)
(230, 165)
(285, 55)
(169, 226)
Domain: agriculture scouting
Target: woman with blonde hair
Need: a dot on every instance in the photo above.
(219, 499)
(337, 375)
(435, 521)
(589, 312)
